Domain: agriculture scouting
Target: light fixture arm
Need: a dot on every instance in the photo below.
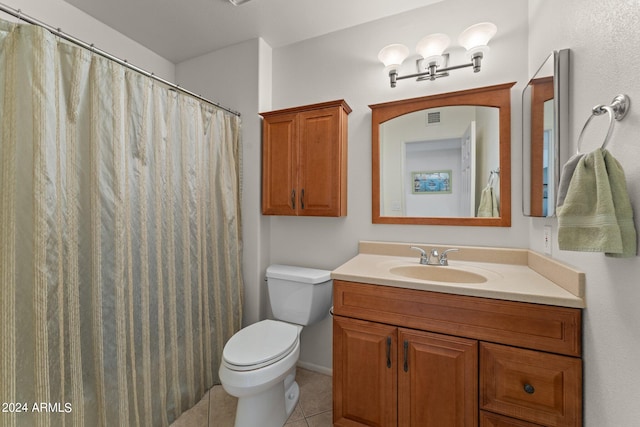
(476, 61)
(434, 72)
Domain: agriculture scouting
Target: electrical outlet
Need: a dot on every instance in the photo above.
(547, 240)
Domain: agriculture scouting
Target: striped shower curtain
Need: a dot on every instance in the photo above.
(120, 243)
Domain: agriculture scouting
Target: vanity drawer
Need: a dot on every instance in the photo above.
(535, 326)
(531, 385)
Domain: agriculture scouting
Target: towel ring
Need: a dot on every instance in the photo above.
(617, 110)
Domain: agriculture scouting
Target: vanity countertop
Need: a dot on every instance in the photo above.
(512, 274)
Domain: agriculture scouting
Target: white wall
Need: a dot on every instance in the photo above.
(344, 65)
(76, 23)
(603, 38)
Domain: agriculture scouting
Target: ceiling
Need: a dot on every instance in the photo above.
(182, 29)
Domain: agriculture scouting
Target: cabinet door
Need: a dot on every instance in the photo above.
(364, 373)
(321, 157)
(437, 380)
(279, 165)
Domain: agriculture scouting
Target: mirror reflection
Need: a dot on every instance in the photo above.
(544, 103)
(443, 159)
(436, 162)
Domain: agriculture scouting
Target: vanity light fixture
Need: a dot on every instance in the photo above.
(434, 62)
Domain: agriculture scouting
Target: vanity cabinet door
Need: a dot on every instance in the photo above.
(534, 386)
(364, 373)
(437, 380)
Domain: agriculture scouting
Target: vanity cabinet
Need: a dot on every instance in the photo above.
(304, 160)
(406, 357)
(396, 376)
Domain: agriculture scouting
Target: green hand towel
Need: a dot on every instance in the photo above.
(587, 220)
(622, 205)
(597, 215)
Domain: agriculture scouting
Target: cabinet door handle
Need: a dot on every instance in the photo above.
(388, 352)
(293, 199)
(302, 199)
(406, 355)
(529, 389)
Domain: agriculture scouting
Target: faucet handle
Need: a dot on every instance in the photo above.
(422, 251)
(443, 256)
(423, 254)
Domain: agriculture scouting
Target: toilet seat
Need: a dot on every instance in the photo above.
(259, 345)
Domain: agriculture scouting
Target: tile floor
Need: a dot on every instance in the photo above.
(217, 408)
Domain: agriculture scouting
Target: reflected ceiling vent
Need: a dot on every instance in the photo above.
(433, 118)
(238, 2)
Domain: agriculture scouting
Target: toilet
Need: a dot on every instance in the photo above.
(259, 362)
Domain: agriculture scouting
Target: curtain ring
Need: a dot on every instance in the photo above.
(597, 111)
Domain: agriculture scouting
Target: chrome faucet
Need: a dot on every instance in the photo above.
(434, 257)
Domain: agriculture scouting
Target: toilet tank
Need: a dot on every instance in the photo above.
(299, 295)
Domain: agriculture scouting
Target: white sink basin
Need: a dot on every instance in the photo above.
(438, 274)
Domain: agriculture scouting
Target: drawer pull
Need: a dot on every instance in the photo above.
(293, 199)
(529, 389)
(406, 356)
(388, 352)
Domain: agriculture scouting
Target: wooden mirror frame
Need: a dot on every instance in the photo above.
(498, 96)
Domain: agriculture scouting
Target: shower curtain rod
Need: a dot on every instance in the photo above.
(17, 13)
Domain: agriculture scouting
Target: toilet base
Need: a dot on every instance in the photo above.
(270, 408)
(291, 398)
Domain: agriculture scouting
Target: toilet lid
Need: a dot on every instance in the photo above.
(260, 344)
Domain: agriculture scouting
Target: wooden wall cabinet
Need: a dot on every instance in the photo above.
(404, 357)
(304, 160)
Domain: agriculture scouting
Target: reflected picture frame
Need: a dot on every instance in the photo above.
(431, 182)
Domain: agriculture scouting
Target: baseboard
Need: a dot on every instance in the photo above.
(315, 368)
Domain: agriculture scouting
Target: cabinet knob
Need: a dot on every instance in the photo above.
(529, 389)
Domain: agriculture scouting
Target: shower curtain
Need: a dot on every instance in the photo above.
(120, 242)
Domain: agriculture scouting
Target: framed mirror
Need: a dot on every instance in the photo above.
(545, 108)
(443, 159)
